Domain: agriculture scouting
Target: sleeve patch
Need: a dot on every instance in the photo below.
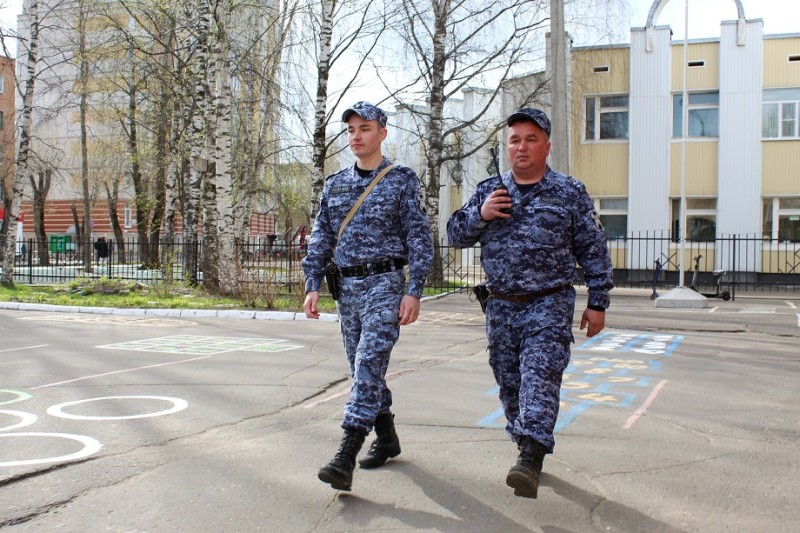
(596, 219)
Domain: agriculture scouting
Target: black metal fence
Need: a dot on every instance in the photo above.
(730, 263)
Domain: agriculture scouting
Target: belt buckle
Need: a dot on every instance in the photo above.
(361, 271)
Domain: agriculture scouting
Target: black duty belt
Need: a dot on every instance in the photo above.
(381, 267)
(529, 297)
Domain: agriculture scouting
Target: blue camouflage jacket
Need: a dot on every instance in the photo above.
(391, 222)
(553, 228)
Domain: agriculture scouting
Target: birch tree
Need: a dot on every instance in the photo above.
(454, 45)
(30, 10)
(346, 33)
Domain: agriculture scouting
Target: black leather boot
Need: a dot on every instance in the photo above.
(524, 476)
(339, 472)
(385, 446)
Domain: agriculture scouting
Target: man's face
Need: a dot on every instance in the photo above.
(364, 136)
(528, 147)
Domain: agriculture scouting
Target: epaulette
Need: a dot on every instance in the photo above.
(575, 182)
(490, 178)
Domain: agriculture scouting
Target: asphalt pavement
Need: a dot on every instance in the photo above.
(671, 420)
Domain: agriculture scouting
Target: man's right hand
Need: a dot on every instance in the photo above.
(496, 201)
(310, 305)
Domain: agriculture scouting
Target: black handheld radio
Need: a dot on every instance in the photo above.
(494, 152)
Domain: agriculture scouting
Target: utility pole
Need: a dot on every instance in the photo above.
(558, 87)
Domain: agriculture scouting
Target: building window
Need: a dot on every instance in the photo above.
(2, 84)
(781, 111)
(701, 219)
(606, 117)
(703, 115)
(787, 212)
(1, 120)
(614, 216)
(129, 220)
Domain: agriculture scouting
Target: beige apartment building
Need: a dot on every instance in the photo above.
(738, 166)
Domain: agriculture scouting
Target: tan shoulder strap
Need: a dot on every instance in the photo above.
(361, 199)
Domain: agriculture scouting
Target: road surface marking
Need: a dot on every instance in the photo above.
(90, 446)
(641, 410)
(177, 405)
(120, 372)
(24, 348)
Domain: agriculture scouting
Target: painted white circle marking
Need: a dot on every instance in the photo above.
(90, 446)
(177, 405)
(26, 419)
(20, 396)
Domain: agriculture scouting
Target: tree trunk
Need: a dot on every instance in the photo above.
(435, 139)
(84, 97)
(24, 149)
(320, 152)
(199, 158)
(226, 225)
(112, 197)
(41, 187)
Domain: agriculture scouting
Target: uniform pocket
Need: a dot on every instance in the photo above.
(551, 225)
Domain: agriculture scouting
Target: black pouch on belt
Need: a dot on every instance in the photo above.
(332, 279)
(481, 293)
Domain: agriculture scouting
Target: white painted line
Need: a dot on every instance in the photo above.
(798, 320)
(177, 405)
(24, 348)
(791, 304)
(640, 411)
(90, 446)
(120, 372)
(26, 419)
(713, 309)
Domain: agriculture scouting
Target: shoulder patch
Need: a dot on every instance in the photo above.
(596, 219)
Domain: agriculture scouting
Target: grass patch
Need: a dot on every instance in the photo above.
(104, 292)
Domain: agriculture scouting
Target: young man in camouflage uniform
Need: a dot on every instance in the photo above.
(389, 230)
(529, 255)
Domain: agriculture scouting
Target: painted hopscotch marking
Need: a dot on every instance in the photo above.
(177, 405)
(203, 345)
(613, 369)
(110, 319)
(26, 419)
(90, 446)
(20, 396)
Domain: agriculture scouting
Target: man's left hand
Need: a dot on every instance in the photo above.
(409, 310)
(596, 321)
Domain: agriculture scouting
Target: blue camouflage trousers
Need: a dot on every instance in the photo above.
(529, 349)
(369, 311)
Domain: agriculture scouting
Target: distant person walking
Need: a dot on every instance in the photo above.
(101, 249)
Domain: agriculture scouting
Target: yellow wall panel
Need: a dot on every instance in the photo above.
(778, 71)
(585, 81)
(781, 167)
(701, 168)
(705, 77)
(603, 167)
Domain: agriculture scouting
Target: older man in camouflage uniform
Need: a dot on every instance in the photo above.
(389, 230)
(532, 235)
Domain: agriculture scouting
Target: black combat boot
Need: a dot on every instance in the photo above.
(524, 476)
(339, 472)
(386, 446)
